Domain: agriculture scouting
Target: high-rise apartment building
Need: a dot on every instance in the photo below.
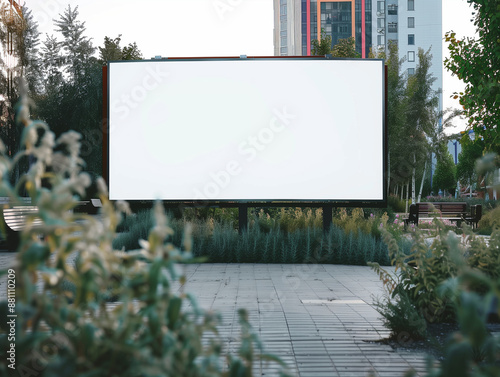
(413, 24)
(297, 22)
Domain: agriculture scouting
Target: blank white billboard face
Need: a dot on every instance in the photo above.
(246, 129)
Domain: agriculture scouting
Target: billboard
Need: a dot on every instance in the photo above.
(252, 130)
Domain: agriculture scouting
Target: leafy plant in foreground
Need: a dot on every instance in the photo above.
(150, 330)
(472, 351)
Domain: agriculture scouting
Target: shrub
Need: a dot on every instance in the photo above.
(420, 273)
(150, 331)
(448, 279)
(396, 204)
(472, 351)
(400, 315)
(221, 243)
(489, 221)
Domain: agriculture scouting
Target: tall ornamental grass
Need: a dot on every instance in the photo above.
(221, 243)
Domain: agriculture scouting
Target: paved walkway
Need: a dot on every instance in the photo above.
(317, 318)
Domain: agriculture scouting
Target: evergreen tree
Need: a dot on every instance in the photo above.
(52, 61)
(77, 48)
(131, 52)
(29, 57)
(113, 51)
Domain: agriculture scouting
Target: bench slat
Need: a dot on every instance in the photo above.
(16, 217)
(453, 211)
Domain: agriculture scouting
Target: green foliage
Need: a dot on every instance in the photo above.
(323, 46)
(52, 61)
(396, 204)
(444, 175)
(451, 278)
(296, 237)
(486, 258)
(345, 48)
(412, 120)
(355, 223)
(421, 271)
(289, 219)
(151, 330)
(396, 110)
(77, 48)
(401, 317)
(64, 78)
(473, 351)
(476, 61)
(112, 51)
(133, 228)
(489, 221)
(19, 37)
(467, 158)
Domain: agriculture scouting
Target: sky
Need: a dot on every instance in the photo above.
(173, 28)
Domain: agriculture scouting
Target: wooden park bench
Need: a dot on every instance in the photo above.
(452, 211)
(15, 216)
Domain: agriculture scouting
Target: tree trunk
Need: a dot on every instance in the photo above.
(413, 174)
(388, 173)
(422, 183)
(402, 190)
(407, 194)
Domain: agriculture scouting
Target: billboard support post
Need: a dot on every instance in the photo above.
(242, 217)
(327, 217)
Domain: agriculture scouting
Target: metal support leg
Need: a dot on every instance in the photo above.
(242, 217)
(327, 217)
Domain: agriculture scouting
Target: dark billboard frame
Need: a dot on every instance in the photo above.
(326, 204)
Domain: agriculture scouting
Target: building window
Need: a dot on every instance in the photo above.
(411, 56)
(381, 6)
(411, 39)
(411, 71)
(411, 4)
(411, 22)
(380, 22)
(392, 9)
(392, 27)
(381, 40)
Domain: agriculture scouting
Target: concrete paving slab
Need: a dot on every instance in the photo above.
(320, 319)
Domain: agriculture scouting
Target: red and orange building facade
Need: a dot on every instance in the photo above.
(339, 19)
